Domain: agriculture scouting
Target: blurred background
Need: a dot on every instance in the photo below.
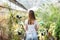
(13, 14)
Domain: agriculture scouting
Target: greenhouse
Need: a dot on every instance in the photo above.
(13, 15)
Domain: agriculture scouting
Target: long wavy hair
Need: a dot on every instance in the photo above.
(31, 17)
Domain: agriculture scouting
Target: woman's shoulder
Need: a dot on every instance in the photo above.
(36, 22)
(26, 21)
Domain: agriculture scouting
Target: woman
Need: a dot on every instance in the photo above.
(31, 27)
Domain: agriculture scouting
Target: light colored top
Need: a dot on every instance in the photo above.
(31, 28)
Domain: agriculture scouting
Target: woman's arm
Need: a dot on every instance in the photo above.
(36, 25)
(25, 28)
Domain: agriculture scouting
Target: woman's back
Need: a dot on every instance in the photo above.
(31, 27)
(31, 31)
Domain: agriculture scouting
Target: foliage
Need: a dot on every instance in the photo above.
(49, 16)
(15, 24)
